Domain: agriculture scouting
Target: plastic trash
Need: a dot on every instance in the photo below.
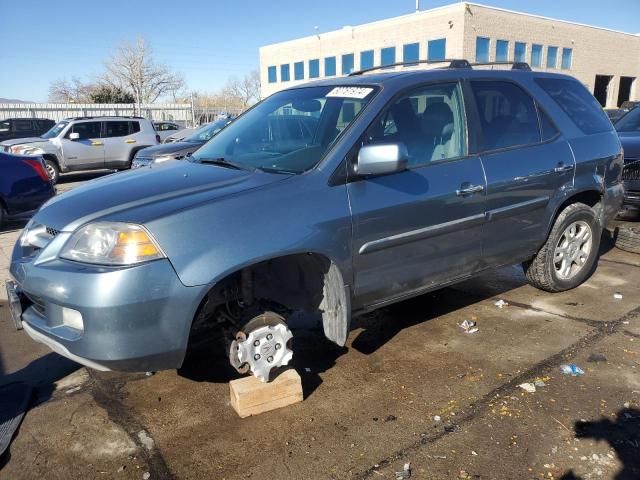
(572, 369)
(501, 304)
(528, 387)
(617, 296)
(405, 473)
(468, 326)
(437, 418)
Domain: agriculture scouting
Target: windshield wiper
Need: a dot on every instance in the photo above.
(223, 162)
(280, 171)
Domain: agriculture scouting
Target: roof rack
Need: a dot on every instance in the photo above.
(105, 116)
(453, 63)
(514, 65)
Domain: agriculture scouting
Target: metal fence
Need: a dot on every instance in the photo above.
(179, 112)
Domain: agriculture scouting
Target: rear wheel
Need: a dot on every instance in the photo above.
(628, 238)
(52, 170)
(569, 255)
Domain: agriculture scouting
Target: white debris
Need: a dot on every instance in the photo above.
(146, 476)
(468, 326)
(528, 387)
(405, 473)
(617, 295)
(501, 304)
(145, 439)
(437, 418)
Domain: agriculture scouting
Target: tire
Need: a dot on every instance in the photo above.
(52, 169)
(627, 238)
(547, 271)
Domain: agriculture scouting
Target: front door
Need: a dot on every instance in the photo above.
(526, 162)
(88, 150)
(420, 227)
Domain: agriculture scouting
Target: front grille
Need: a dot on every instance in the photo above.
(631, 170)
(53, 232)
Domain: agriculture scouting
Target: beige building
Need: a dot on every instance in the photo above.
(606, 61)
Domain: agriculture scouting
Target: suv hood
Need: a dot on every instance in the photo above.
(18, 141)
(631, 144)
(167, 148)
(141, 195)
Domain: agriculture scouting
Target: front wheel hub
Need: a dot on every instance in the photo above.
(262, 345)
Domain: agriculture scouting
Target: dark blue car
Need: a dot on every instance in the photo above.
(24, 186)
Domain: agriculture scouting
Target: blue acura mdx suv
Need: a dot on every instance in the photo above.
(400, 183)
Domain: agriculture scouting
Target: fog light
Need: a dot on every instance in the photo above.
(72, 318)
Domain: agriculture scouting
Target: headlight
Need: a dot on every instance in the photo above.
(164, 158)
(110, 243)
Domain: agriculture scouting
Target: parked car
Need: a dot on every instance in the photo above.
(165, 129)
(407, 182)
(88, 143)
(24, 127)
(629, 105)
(179, 135)
(628, 128)
(178, 150)
(24, 186)
(614, 113)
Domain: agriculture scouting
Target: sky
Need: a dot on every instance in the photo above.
(209, 41)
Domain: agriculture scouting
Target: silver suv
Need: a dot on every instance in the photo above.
(88, 143)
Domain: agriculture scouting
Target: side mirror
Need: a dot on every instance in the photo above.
(74, 136)
(381, 159)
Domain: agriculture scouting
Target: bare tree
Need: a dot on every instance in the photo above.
(133, 68)
(70, 91)
(246, 89)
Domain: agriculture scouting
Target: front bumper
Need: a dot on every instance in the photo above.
(133, 319)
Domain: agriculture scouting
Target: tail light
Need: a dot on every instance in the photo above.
(158, 138)
(38, 166)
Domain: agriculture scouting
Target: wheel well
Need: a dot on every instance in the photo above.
(52, 157)
(134, 151)
(306, 282)
(591, 198)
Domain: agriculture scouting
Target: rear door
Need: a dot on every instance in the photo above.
(526, 161)
(118, 142)
(420, 227)
(88, 150)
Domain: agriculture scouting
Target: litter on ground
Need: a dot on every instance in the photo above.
(405, 473)
(469, 326)
(572, 369)
(501, 304)
(617, 295)
(528, 387)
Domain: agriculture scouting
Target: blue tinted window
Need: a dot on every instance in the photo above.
(347, 64)
(566, 58)
(502, 50)
(520, 52)
(536, 55)
(437, 49)
(388, 56)
(482, 49)
(272, 74)
(366, 59)
(284, 73)
(411, 52)
(552, 57)
(329, 66)
(314, 68)
(298, 71)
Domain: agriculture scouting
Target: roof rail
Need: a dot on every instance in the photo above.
(524, 66)
(453, 63)
(104, 116)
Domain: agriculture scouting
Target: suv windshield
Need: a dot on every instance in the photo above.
(629, 122)
(207, 131)
(55, 130)
(290, 131)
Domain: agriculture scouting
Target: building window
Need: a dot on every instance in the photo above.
(482, 49)
(272, 74)
(566, 58)
(502, 50)
(520, 52)
(329, 66)
(298, 71)
(314, 68)
(536, 55)
(437, 49)
(552, 57)
(347, 64)
(366, 59)
(388, 56)
(411, 52)
(284, 73)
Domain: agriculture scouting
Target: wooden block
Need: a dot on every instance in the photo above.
(249, 396)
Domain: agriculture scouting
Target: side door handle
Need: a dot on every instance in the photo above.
(467, 189)
(96, 144)
(563, 168)
(130, 140)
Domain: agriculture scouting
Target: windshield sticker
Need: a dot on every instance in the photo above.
(350, 92)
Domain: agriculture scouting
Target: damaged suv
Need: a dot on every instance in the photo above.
(399, 183)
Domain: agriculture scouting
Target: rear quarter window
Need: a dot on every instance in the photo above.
(579, 105)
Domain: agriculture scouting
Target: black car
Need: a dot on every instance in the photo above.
(24, 186)
(628, 128)
(24, 127)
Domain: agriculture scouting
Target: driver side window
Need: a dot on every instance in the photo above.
(429, 121)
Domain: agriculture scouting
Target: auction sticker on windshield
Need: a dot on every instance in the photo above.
(350, 92)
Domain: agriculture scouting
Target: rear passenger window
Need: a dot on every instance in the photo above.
(576, 101)
(116, 129)
(134, 127)
(429, 121)
(549, 130)
(507, 115)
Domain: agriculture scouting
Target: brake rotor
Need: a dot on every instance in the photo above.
(262, 345)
